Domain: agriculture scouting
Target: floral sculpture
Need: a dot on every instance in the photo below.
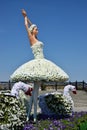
(39, 69)
(55, 103)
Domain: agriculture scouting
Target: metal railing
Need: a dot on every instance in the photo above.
(7, 85)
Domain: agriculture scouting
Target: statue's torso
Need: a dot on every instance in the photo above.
(37, 50)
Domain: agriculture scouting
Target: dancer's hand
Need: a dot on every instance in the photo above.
(24, 13)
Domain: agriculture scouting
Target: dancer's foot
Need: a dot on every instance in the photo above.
(35, 120)
(27, 119)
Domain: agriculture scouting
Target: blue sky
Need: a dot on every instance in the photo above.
(62, 28)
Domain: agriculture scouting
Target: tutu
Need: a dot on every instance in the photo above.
(39, 69)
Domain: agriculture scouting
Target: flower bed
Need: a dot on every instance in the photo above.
(13, 117)
(78, 121)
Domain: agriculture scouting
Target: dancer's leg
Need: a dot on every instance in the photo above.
(30, 106)
(35, 97)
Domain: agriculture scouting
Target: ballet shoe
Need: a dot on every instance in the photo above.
(35, 120)
(27, 119)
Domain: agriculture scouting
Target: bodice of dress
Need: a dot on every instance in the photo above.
(37, 50)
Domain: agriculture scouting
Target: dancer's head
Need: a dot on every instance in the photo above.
(33, 29)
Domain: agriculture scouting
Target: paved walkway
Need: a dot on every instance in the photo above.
(80, 100)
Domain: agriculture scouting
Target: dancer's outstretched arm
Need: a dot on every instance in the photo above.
(27, 24)
(30, 27)
(25, 15)
(26, 21)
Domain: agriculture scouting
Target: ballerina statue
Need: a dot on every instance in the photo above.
(39, 69)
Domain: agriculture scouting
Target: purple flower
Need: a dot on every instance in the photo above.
(28, 127)
(58, 129)
(50, 127)
(55, 122)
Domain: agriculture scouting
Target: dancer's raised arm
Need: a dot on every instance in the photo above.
(25, 15)
(26, 20)
(31, 29)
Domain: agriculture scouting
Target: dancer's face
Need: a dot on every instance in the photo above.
(35, 31)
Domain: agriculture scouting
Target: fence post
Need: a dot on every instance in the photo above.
(56, 86)
(9, 84)
(83, 84)
(76, 85)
